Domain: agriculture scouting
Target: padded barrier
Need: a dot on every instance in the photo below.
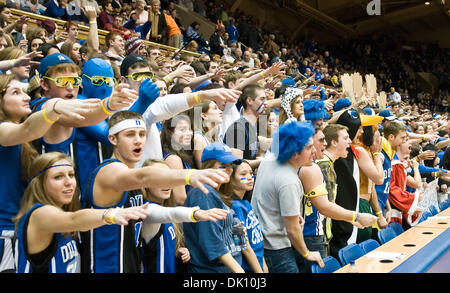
(425, 257)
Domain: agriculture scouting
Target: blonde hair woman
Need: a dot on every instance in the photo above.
(291, 105)
(21, 73)
(17, 129)
(49, 218)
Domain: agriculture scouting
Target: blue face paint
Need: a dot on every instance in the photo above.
(244, 180)
(260, 109)
(96, 67)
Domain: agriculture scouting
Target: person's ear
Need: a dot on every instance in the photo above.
(112, 139)
(44, 85)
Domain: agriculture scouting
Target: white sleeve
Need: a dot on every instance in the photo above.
(162, 214)
(165, 108)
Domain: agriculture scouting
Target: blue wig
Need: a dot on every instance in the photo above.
(291, 138)
(288, 81)
(96, 67)
(314, 110)
(341, 104)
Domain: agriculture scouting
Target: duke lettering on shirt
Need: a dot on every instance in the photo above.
(69, 254)
(69, 251)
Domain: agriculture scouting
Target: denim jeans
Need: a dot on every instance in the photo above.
(314, 243)
(281, 260)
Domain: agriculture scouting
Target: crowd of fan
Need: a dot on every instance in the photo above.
(206, 117)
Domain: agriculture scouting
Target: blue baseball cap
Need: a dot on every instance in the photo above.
(220, 152)
(52, 60)
(369, 111)
(387, 114)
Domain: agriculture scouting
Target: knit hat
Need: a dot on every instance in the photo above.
(132, 45)
(48, 25)
(129, 61)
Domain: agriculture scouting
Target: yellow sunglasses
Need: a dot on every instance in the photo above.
(65, 81)
(141, 75)
(99, 80)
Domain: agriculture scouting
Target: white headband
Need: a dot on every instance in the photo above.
(125, 124)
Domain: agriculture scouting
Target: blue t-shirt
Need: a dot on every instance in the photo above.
(209, 240)
(244, 212)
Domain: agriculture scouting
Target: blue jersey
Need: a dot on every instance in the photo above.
(112, 248)
(245, 213)
(42, 147)
(159, 252)
(383, 189)
(91, 147)
(63, 258)
(11, 187)
(313, 222)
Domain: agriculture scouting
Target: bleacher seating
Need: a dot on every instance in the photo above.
(349, 253)
(386, 234)
(397, 227)
(330, 265)
(369, 245)
(83, 32)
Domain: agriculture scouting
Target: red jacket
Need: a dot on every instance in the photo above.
(402, 202)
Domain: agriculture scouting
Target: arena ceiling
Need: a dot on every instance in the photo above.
(351, 17)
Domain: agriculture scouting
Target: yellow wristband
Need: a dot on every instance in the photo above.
(46, 118)
(188, 176)
(192, 215)
(104, 108)
(376, 153)
(169, 79)
(378, 213)
(113, 214)
(93, 22)
(354, 217)
(306, 254)
(196, 98)
(262, 75)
